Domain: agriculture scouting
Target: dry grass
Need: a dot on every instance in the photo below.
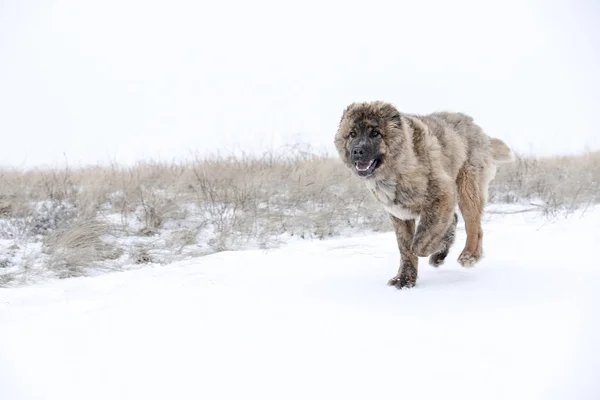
(554, 184)
(78, 246)
(159, 212)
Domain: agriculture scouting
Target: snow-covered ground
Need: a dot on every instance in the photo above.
(315, 320)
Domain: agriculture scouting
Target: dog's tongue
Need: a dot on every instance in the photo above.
(363, 166)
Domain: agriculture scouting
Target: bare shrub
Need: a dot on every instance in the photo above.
(48, 217)
(156, 207)
(179, 239)
(141, 255)
(35, 221)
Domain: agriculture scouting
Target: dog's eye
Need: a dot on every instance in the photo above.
(374, 133)
(352, 134)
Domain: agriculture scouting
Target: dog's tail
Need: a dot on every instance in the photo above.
(501, 152)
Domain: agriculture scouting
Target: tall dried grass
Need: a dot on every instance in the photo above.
(559, 184)
(157, 212)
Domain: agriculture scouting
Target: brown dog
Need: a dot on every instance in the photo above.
(418, 168)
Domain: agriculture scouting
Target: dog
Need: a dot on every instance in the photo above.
(418, 167)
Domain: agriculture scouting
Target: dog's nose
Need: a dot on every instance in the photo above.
(358, 152)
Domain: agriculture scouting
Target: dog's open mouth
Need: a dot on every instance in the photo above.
(366, 168)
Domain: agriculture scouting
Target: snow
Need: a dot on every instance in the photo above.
(315, 320)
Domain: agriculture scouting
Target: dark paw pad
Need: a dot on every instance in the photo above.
(401, 282)
(437, 259)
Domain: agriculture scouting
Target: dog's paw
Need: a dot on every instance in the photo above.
(468, 259)
(438, 258)
(401, 282)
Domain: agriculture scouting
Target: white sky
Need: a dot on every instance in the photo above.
(127, 80)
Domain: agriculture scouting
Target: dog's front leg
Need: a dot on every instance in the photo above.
(436, 217)
(407, 273)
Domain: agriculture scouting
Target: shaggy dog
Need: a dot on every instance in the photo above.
(418, 167)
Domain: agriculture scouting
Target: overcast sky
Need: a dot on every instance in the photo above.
(127, 80)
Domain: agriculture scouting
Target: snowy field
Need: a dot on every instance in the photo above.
(315, 320)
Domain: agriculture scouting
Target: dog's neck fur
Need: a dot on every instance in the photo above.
(401, 186)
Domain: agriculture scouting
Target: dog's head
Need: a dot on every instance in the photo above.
(366, 134)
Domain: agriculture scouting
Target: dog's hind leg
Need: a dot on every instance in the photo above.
(438, 258)
(472, 186)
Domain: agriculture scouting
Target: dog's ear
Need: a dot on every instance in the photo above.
(348, 109)
(391, 114)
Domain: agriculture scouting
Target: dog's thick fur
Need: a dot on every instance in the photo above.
(419, 168)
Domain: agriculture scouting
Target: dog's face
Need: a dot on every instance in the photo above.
(365, 134)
